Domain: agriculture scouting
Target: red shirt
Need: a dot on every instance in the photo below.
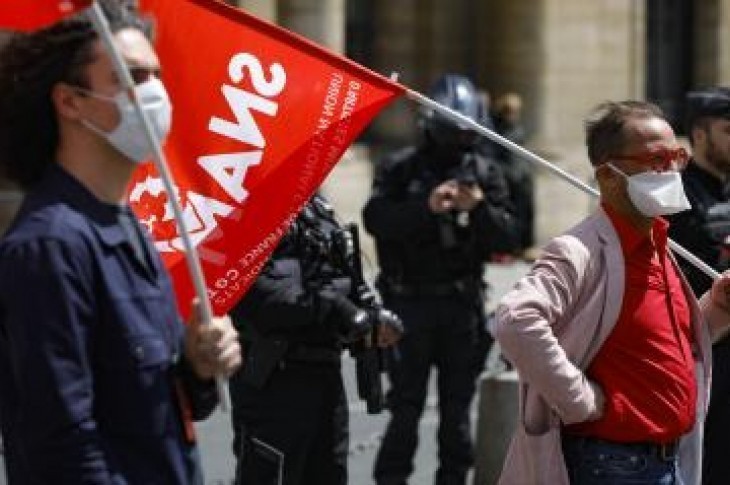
(646, 367)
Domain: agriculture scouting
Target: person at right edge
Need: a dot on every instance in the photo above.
(437, 212)
(704, 230)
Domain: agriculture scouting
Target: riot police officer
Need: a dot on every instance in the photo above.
(705, 231)
(705, 228)
(290, 415)
(437, 211)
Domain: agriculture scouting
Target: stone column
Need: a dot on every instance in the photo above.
(419, 40)
(563, 57)
(395, 50)
(322, 21)
(723, 57)
(712, 43)
(264, 9)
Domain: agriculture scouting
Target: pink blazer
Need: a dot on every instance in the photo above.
(552, 324)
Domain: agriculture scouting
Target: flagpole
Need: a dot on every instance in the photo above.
(191, 255)
(459, 118)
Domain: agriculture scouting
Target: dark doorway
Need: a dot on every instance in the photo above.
(359, 30)
(669, 56)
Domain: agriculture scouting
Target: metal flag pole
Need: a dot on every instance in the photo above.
(101, 25)
(462, 120)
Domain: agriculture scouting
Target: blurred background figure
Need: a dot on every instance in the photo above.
(705, 228)
(705, 231)
(507, 120)
(438, 210)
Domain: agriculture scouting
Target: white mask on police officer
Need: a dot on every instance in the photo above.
(656, 193)
(129, 136)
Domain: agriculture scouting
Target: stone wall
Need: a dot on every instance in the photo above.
(712, 43)
(563, 57)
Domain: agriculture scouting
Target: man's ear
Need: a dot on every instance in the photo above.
(65, 99)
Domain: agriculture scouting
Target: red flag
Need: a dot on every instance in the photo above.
(260, 117)
(28, 15)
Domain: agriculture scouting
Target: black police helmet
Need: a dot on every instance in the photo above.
(712, 102)
(458, 93)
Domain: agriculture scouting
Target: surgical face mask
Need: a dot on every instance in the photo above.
(656, 193)
(129, 136)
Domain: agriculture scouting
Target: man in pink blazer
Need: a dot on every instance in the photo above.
(612, 348)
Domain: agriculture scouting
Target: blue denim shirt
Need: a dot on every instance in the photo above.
(90, 344)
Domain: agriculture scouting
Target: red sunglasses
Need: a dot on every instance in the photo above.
(660, 160)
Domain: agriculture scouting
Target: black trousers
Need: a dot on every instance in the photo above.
(715, 464)
(440, 332)
(294, 427)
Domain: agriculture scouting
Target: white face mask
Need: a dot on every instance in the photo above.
(656, 193)
(129, 136)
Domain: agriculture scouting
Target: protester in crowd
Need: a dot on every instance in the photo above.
(437, 211)
(611, 346)
(290, 414)
(704, 230)
(99, 377)
(507, 118)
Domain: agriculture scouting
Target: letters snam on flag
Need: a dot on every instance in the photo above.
(261, 115)
(28, 15)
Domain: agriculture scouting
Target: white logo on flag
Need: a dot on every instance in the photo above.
(151, 203)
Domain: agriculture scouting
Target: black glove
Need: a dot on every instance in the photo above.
(353, 322)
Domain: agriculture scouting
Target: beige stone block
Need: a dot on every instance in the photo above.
(264, 9)
(322, 21)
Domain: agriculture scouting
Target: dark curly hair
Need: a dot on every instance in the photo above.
(30, 65)
(604, 128)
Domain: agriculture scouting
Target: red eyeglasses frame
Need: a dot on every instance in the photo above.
(659, 160)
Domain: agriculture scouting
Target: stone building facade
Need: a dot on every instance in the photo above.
(562, 56)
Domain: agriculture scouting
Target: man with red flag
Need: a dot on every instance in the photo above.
(99, 378)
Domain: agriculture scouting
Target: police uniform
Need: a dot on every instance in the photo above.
(705, 231)
(289, 408)
(431, 276)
